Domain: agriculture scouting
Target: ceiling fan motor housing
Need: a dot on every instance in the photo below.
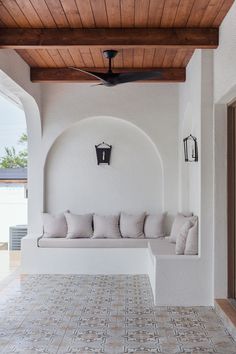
(110, 53)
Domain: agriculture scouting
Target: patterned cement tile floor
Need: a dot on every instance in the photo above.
(102, 314)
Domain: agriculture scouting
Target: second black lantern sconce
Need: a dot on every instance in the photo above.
(103, 152)
(190, 149)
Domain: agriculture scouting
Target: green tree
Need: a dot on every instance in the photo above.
(23, 139)
(12, 159)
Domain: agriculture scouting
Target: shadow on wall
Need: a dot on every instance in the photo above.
(133, 182)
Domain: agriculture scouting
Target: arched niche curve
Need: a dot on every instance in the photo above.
(133, 182)
(11, 89)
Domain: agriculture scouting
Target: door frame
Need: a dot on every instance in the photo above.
(231, 204)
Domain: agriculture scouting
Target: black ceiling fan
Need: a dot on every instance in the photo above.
(112, 79)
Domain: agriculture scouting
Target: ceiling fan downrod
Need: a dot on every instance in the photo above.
(110, 54)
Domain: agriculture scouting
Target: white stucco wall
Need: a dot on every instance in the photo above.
(190, 123)
(133, 181)
(17, 70)
(152, 108)
(196, 178)
(202, 105)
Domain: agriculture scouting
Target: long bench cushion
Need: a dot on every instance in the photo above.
(92, 243)
(160, 246)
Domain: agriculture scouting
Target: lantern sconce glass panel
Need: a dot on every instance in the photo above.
(103, 152)
(190, 148)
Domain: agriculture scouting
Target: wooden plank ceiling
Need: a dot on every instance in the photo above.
(77, 14)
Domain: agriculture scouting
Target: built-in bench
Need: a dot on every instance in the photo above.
(174, 278)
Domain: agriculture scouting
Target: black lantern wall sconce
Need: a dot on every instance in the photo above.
(103, 152)
(190, 149)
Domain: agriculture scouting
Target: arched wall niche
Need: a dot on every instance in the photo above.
(134, 181)
(11, 89)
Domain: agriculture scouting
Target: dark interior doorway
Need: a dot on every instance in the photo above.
(231, 156)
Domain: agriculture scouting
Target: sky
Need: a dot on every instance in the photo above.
(12, 124)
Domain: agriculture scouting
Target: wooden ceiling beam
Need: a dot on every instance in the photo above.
(25, 38)
(70, 75)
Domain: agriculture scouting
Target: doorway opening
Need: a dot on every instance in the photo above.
(231, 179)
(13, 183)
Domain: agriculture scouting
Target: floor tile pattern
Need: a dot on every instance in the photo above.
(9, 264)
(102, 314)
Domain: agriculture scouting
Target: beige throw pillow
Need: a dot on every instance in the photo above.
(182, 237)
(131, 226)
(179, 221)
(154, 226)
(191, 247)
(54, 225)
(79, 226)
(106, 226)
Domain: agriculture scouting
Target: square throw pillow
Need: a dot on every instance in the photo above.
(154, 226)
(106, 226)
(54, 225)
(182, 237)
(131, 226)
(191, 246)
(79, 226)
(179, 221)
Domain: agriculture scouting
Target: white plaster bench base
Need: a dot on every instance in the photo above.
(175, 280)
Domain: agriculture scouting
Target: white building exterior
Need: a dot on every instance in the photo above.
(13, 208)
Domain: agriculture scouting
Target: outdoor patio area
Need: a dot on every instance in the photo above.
(102, 314)
(117, 176)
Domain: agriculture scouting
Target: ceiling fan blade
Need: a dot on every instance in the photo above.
(137, 76)
(101, 84)
(97, 75)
